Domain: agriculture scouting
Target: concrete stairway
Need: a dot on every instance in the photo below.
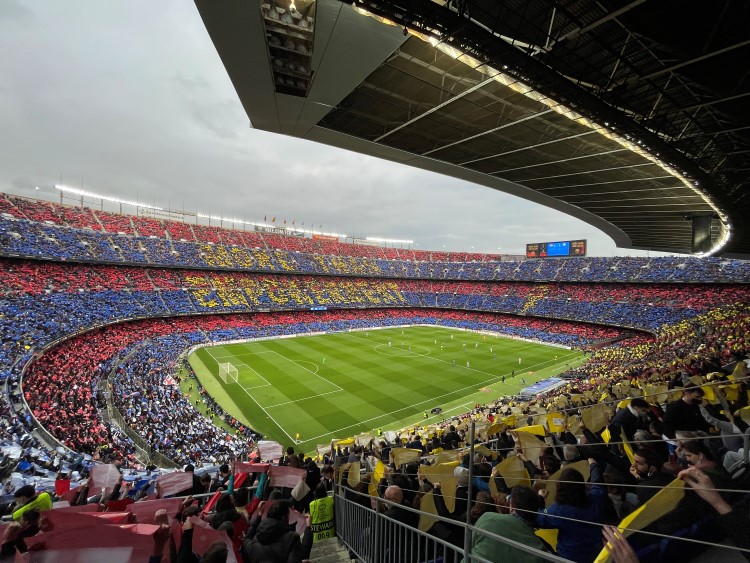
(329, 551)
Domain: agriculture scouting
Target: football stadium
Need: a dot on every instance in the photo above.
(190, 386)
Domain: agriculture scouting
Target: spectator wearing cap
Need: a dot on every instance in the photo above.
(629, 419)
(685, 413)
(27, 499)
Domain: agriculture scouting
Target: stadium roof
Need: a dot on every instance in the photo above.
(630, 115)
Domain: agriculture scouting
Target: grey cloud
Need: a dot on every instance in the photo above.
(137, 114)
(192, 84)
(12, 11)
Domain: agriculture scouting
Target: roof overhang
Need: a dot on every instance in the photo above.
(414, 97)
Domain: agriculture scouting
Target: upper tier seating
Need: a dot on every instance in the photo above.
(83, 296)
(249, 251)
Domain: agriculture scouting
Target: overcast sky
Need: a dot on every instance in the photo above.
(130, 99)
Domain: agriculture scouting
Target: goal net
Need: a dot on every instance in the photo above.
(228, 373)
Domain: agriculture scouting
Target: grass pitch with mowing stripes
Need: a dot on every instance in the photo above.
(341, 384)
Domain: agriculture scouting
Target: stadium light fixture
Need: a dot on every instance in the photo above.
(520, 85)
(84, 193)
(389, 240)
(269, 226)
(723, 240)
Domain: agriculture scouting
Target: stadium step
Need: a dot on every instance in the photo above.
(329, 551)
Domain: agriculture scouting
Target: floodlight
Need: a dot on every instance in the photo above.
(84, 193)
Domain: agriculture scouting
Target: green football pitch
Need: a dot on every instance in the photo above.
(341, 384)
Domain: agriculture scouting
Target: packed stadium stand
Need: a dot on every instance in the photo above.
(98, 309)
(628, 115)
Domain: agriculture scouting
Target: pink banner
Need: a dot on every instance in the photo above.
(173, 483)
(298, 519)
(144, 511)
(142, 529)
(68, 495)
(79, 508)
(112, 517)
(103, 477)
(119, 505)
(90, 541)
(204, 535)
(282, 476)
(270, 450)
(245, 467)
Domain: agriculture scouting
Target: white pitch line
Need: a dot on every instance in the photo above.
(459, 407)
(257, 403)
(483, 383)
(307, 370)
(268, 383)
(208, 349)
(458, 364)
(304, 399)
(317, 367)
(268, 415)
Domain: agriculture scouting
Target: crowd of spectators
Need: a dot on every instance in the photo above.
(142, 355)
(218, 248)
(115, 223)
(673, 409)
(61, 393)
(84, 296)
(698, 329)
(147, 394)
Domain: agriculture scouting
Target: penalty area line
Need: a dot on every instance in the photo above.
(431, 400)
(303, 399)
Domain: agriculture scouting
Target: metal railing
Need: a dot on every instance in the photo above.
(373, 537)
(143, 448)
(144, 451)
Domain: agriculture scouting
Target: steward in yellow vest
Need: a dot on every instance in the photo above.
(321, 515)
(27, 499)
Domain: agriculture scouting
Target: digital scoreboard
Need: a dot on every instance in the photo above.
(556, 249)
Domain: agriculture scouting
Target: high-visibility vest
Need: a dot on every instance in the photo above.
(43, 502)
(321, 519)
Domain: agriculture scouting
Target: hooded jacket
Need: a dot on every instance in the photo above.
(273, 541)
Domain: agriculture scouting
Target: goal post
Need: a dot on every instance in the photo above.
(228, 373)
